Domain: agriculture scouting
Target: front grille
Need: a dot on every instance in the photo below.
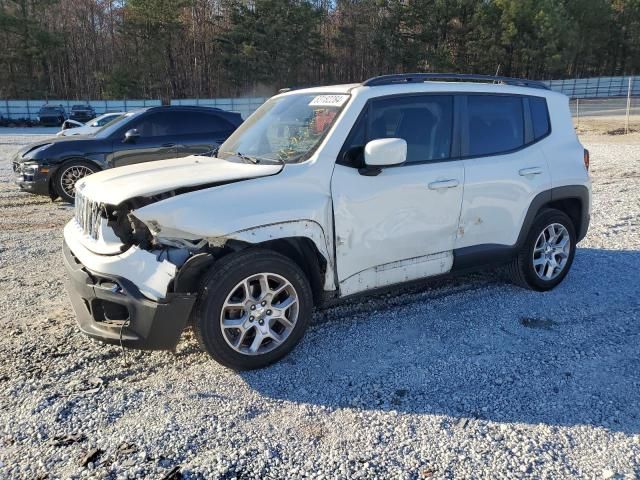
(88, 215)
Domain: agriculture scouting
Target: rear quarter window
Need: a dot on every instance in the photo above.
(539, 117)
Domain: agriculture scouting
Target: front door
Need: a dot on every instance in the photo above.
(158, 140)
(401, 224)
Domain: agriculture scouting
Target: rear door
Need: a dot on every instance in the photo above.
(400, 224)
(505, 167)
(202, 132)
(158, 140)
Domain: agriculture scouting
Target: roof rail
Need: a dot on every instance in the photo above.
(461, 77)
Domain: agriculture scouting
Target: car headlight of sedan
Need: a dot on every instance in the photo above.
(30, 169)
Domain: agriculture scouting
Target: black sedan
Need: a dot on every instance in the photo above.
(52, 167)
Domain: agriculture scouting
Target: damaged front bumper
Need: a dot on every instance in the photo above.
(113, 309)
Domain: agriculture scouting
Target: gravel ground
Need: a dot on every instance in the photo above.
(464, 378)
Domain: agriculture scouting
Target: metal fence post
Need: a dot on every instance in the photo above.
(577, 112)
(626, 123)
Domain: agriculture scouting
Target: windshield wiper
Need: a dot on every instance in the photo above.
(242, 156)
(254, 160)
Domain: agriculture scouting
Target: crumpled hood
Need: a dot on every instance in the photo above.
(115, 185)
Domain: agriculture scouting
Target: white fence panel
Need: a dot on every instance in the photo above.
(596, 87)
(28, 109)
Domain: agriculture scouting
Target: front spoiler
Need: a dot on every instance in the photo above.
(111, 309)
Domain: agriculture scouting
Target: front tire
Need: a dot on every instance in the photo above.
(253, 308)
(67, 176)
(547, 253)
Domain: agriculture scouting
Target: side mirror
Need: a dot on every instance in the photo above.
(131, 136)
(382, 153)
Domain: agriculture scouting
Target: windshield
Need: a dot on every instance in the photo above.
(285, 129)
(116, 123)
(102, 120)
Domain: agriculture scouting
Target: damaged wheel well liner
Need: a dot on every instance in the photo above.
(300, 250)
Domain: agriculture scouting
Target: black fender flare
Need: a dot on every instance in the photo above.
(577, 192)
(473, 257)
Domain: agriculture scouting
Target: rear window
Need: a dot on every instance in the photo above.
(539, 117)
(495, 124)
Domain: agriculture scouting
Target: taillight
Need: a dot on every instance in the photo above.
(586, 159)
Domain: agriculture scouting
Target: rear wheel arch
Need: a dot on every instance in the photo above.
(573, 200)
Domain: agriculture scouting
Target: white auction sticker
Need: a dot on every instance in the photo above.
(329, 101)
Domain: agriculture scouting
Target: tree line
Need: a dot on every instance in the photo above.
(216, 48)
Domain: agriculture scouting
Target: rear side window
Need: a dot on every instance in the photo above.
(200, 122)
(424, 121)
(495, 124)
(539, 117)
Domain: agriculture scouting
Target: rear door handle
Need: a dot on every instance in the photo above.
(443, 184)
(530, 171)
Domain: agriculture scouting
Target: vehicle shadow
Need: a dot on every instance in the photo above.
(481, 349)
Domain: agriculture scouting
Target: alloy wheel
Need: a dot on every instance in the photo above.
(259, 314)
(70, 176)
(551, 251)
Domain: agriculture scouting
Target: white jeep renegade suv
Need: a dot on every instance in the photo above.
(324, 193)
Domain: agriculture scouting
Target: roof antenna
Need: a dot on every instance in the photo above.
(496, 75)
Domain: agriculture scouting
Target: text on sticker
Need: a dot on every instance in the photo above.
(329, 101)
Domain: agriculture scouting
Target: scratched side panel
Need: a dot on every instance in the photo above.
(397, 272)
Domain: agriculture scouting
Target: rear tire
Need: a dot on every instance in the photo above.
(547, 253)
(253, 308)
(67, 176)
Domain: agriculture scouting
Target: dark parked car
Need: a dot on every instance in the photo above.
(52, 115)
(52, 167)
(82, 113)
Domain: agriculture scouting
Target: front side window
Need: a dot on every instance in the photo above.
(425, 122)
(286, 129)
(495, 124)
(159, 124)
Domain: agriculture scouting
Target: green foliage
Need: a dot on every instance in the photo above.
(271, 42)
(173, 48)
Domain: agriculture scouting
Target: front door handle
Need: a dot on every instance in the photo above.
(530, 171)
(440, 184)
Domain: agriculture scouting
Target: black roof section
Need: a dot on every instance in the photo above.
(455, 77)
(183, 107)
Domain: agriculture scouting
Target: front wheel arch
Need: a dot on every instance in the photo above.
(54, 180)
